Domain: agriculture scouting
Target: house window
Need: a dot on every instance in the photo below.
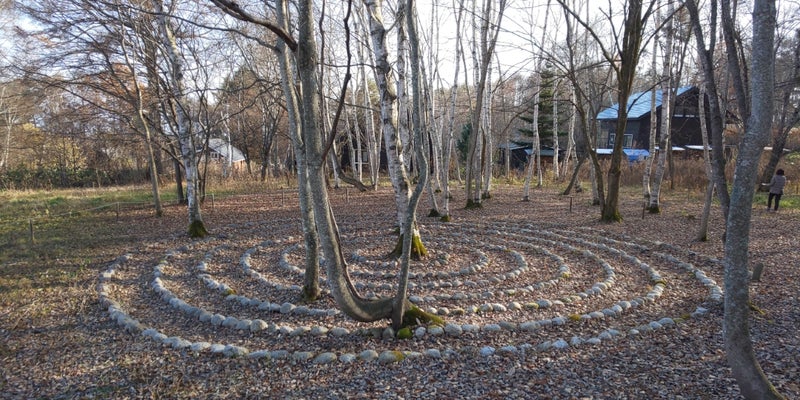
(627, 140)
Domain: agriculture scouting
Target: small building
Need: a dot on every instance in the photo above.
(521, 151)
(685, 128)
(220, 151)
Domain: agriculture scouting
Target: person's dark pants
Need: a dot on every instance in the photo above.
(777, 198)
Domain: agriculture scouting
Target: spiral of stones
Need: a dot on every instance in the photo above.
(515, 277)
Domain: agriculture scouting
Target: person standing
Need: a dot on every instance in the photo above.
(776, 186)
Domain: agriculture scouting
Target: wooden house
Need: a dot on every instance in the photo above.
(685, 128)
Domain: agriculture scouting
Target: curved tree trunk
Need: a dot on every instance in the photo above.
(342, 289)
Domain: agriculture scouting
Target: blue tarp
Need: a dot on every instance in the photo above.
(634, 155)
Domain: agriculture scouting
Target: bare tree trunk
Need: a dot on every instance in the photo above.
(736, 328)
(145, 126)
(717, 117)
(488, 38)
(665, 139)
(341, 287)
(400, 301)
(188, 152)
(651, 149)
(702, 232)
(448, 142)
(311, 289)
(535, 161)
(389, 119)
(569, 153)
(556, 173)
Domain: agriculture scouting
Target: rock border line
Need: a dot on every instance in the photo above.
(130, 324)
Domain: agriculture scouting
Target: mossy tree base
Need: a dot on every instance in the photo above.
(473, 205)
(486, 195)
(654, 209)
(611, 217)
(197, 230)
(418, 250)
(310, 294)
(415, 316)
(445, 218)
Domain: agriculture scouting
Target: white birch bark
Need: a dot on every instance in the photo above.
(488, 148)
(187, 147)
(665, 142)
(388, 106)
(490, 28)
(651, 147)
(448, 145)
(570, 153)
(555, 131)
(535, 161)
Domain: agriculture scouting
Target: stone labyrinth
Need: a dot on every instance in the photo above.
(502, 288)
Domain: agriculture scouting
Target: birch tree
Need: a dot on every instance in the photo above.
(396, 161)
(489, 30)
(447, 149)
(185, 138)
(664, 142)
(535, 161)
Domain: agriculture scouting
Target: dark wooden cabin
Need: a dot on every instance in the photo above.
(685, 120)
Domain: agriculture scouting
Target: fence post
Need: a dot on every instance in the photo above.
(30, 230)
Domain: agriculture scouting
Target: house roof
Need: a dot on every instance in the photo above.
(221, 147)
(638, 104)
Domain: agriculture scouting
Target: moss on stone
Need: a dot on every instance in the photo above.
(404, 333)
(415, 316)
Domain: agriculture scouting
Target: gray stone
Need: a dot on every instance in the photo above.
(368, 355)
(453, 330)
